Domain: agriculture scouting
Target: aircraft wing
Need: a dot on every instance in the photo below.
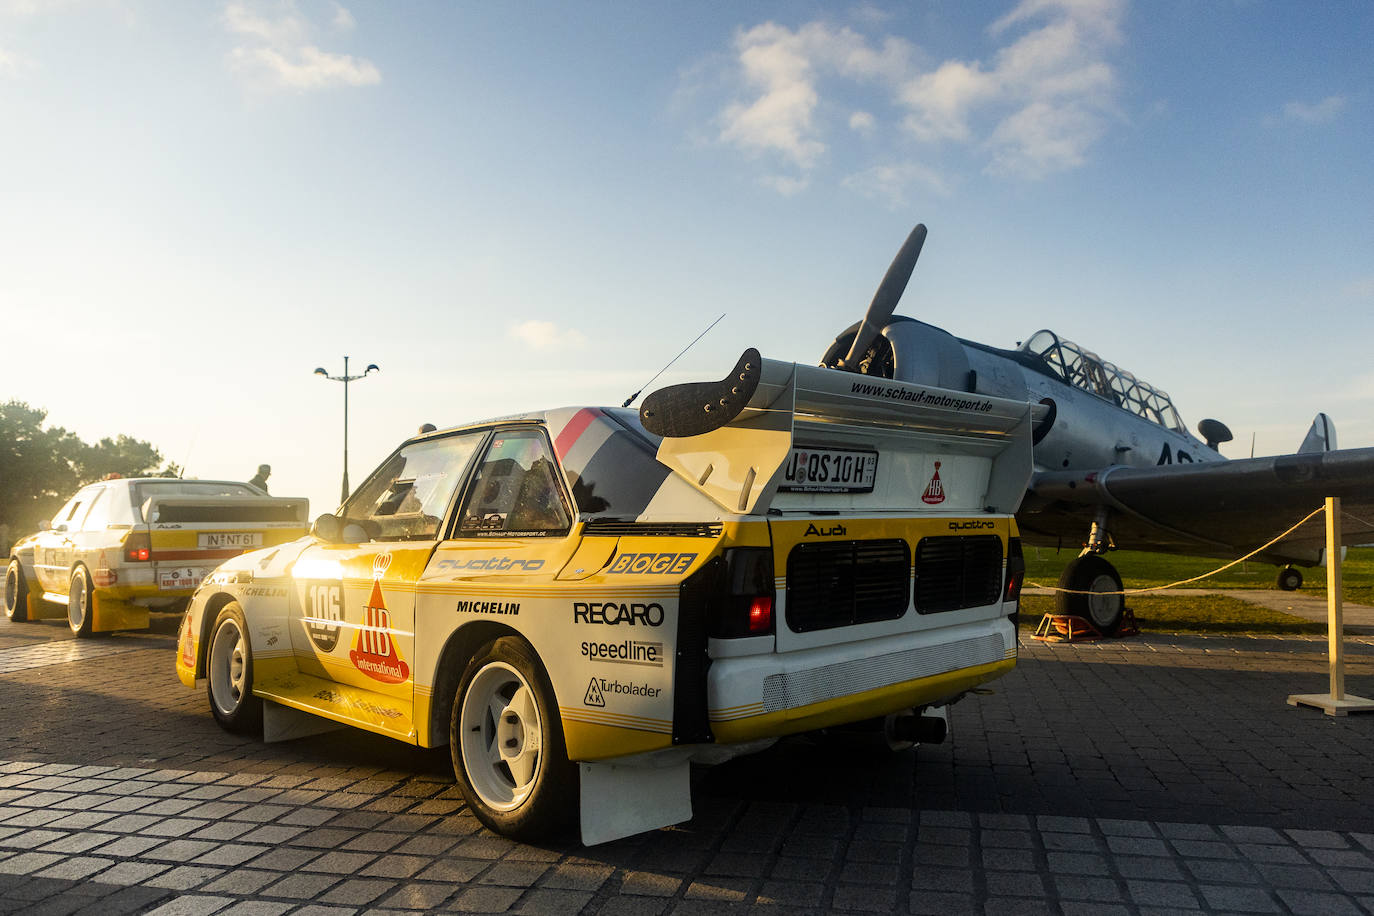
(1221, 509)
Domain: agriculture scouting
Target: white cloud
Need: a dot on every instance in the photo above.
(1035, 106)
(1322, 112)
(892, 184)
(343, 19)
(783, 67)
(277, 51)
(786, 185)
(11, 64)
(545, 336)
(1044, 100)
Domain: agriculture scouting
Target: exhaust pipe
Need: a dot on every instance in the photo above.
(910, 728)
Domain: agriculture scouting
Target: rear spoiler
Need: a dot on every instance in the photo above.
(221, 509)
(729, 439)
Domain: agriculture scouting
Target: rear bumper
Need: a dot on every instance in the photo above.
(766, 696)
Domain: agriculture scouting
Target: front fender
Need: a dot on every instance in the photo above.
(259, 581)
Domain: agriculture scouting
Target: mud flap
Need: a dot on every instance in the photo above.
(619, 801)
(282, 723)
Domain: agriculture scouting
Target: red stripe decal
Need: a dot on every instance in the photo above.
(575, 428)
(195, 554)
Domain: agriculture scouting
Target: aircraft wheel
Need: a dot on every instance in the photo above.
(1290, 579)
(16, 593)
(229, 671)
(80, 603)
(506, 739)
(1092, 574)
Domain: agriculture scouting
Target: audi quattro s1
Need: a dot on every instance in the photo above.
(123, 546)
(582, 602)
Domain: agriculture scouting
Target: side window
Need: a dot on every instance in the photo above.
(99, 516)
(67, 511)
(406, 498)
(75, 510)
(516, 491)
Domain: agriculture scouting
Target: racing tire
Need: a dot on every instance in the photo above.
(1289, 579)
(16, 593)
(1093, 574)
(80, 603)
(229, 673)
(506, 740)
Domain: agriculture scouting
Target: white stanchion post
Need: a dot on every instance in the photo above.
(1337, 704)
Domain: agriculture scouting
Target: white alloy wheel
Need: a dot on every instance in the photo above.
(229, 673)
(502, 736)
(16, 593)
(79, 599)
(228, 667)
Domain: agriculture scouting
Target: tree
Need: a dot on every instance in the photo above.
(41, 468)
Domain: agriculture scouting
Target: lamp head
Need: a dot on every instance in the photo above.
(320, 372)
(371, 367)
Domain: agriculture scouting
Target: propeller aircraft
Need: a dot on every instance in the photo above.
(1115, 466)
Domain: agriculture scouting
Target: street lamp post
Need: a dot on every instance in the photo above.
(346, 378)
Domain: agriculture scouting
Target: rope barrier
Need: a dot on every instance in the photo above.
(1159, 588)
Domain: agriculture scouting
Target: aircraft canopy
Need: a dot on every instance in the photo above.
(1086, 370)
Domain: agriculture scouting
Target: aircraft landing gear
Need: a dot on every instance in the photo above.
(1094, 574)
(1290, 579)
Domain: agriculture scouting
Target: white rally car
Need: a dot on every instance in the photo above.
(124, 545)
(584, 601)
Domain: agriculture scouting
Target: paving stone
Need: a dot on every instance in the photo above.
(1238, 899)
(192, 905)
(1314, 903)
(1174, 894)
(541, 900)
(863, 898)
(476, 899)
(301, 886)
(185, 877)
(244, 881)
(937, 903)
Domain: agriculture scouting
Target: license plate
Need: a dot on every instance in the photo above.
(181, 577)
(223, 539)
(829, 470)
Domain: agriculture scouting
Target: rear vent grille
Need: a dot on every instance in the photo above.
(842, 583)
(609, 527)
(958, 572)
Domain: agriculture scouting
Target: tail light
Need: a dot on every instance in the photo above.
(1016, 572)
(747, 605)
(138, 547)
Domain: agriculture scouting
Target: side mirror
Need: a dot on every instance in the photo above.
(360, 532)
(327, 528)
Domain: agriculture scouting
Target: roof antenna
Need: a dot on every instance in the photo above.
(631, 399)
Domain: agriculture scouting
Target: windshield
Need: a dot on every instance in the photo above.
(1086, 370)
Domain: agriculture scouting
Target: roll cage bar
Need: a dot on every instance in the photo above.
(1086, 370)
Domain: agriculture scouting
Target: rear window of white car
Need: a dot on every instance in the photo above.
(198, 489)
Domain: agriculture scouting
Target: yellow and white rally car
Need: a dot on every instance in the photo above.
(124, 545)
(582, 602)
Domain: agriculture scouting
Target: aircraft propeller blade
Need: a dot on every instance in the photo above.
(886, 298)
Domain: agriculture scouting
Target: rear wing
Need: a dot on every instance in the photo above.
(767, 408)
(218, 510)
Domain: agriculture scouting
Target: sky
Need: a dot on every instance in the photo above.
(519, 206)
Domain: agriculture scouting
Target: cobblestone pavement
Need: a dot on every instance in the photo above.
(1156, 774)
